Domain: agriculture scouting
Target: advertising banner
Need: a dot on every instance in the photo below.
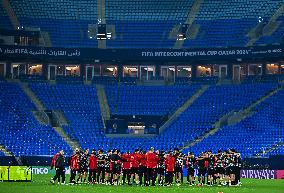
(24, 173)
(15, 173)
(44, 170)
(259, 174)
(91, 54)
(280, 174)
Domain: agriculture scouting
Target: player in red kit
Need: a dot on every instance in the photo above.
(142, 168)
(53, 163)
(170, 163)
(151, 162)
(136, 157)
(74, 165)
(93, 167)
(126, 167)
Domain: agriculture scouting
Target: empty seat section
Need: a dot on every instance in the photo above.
(20, 131)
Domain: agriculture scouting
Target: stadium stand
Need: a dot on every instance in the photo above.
(278, 151)
(142, 25)
(218, 101)
(69, 80)
(2, 79)
(261, 130)
(81, 107)
(147, 100)
(105, 80)
(32, 78)
(66, 21)
(20, 131)
(5, 22)
(263, 78)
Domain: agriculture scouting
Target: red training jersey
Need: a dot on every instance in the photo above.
(136, 160)
(151, 160)
(53, 161)
(93, 162)
(143, 161)
(74, 164)
(126, 161)
(170, 163)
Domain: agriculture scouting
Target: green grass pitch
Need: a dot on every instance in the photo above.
(41, 184)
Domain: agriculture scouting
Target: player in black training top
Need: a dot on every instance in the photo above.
(201, 169)
(238, 168)
(101, 167)
(228, 165)
(108, 167)
(161, 168)
(115, 161)
(211, 167)
(179, 164)
(190, 159)
(83, 164)
(219, 170)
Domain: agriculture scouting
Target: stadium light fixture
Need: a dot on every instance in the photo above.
(260, 19)
(110, 69)
(181, 37)
(187, 69)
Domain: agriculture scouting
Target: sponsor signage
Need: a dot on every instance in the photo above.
(92, 54)
(259, 174)
(15, 173)
(43, 170)
(280, 174)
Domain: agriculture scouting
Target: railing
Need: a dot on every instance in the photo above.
(60, 118)
(42, 117)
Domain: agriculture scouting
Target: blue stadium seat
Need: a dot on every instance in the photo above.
(20, 131)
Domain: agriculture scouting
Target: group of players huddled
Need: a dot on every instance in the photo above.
(148, 168)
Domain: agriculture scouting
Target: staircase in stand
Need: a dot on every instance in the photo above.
(32, 96)
(101, 10)
(217, 126)
(46, 39)
(232, 118)
(39, 113)
(238, 116)
(12, 16)
(182, 108)
(105, 111)
(192, 30)
(6, 151)
(57, 115)
(269, 149)
(268, 29)
(71, 142)
(273, 24)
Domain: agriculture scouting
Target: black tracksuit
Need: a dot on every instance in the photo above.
(60, 168)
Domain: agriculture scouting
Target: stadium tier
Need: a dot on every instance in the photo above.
(198, 84)
(5, 22)
(150, 24)
(147, 100)
(278, 151)
(217, 101)
(81, 108)
(256, 133)
(20, 131)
